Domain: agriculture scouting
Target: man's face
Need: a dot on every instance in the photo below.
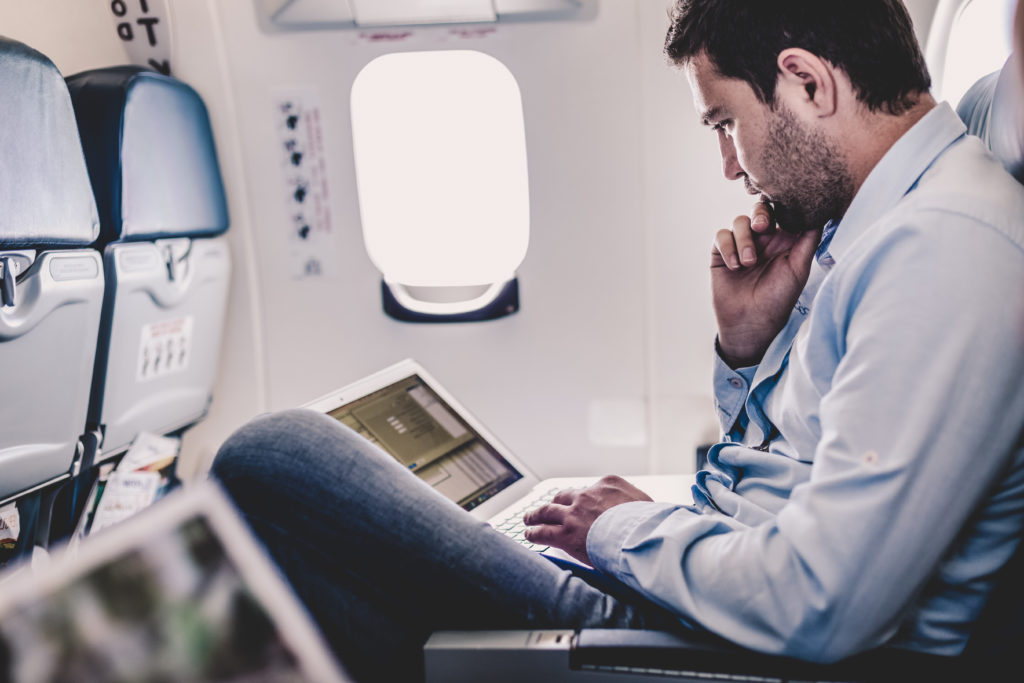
(785, 161)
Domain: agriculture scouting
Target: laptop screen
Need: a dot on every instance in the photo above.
(412, 423)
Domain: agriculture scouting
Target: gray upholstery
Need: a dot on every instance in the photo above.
(150, 151)
(151, 155)
(52, 292)
(993, 109)
(44, 187)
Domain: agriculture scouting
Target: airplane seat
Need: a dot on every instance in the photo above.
(51, 283)
(163, 214)
(992, 109)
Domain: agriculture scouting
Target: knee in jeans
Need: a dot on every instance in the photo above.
(280, 444)
(262, 443)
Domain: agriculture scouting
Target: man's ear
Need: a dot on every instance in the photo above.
(807, 81)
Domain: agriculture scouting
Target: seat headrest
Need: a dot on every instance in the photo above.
(151, 155)
(993, 109)
(45, 197)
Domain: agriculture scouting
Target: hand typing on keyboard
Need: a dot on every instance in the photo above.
(565, 521)
(513, 526)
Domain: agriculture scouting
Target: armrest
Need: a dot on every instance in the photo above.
(637, 656)
(704, 654)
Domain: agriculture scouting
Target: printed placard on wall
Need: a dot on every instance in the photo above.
(165, 348)
(307, 197)
(145, 28)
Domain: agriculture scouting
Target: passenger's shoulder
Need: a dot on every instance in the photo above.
(966, 189)
(963, 223)
(966, 207)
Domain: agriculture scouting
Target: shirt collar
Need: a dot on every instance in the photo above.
(896, 174)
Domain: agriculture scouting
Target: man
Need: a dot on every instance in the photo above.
(871, 344)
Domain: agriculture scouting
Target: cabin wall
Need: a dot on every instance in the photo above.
(567, 381)
(606, 367)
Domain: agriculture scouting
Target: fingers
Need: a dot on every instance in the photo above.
(554, 512)
(566, 521)
(736, 248)
(552, 525)
(724, 251)
(803, 252)
(565, 497)
(551, 513)
(761, 216)
(543, 535)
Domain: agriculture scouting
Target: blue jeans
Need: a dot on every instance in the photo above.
(381, 560)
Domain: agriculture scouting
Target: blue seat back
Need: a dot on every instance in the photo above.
(151, 156)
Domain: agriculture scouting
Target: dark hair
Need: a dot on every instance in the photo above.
(872, 41)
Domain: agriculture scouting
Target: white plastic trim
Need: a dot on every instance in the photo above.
(938, 38)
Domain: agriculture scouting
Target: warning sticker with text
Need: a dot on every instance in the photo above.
(165, 348)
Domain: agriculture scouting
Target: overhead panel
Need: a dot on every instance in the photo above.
(300, 13)
(397, 12)
(315, 11)
(511, 8)
(323, 14)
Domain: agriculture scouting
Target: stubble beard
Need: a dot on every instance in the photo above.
(812, 184)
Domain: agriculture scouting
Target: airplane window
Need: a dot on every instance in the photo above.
(440, 154)
(979, 43)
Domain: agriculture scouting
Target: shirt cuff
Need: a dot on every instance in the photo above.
(731, 388)
(610, 531)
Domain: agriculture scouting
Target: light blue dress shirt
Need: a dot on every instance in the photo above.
(871, 476)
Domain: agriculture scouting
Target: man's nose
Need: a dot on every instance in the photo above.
(730, 162)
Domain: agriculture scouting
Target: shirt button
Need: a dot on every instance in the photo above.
(736, 382)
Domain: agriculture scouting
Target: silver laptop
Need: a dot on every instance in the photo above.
(407, 412)
(179, 591)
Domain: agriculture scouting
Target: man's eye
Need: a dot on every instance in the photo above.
(721, 126)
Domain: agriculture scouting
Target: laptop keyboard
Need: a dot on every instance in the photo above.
(512, 525)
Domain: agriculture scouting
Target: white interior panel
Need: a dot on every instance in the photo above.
(581, 333)
(303, 12)
(625, 191)
(399, 12)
